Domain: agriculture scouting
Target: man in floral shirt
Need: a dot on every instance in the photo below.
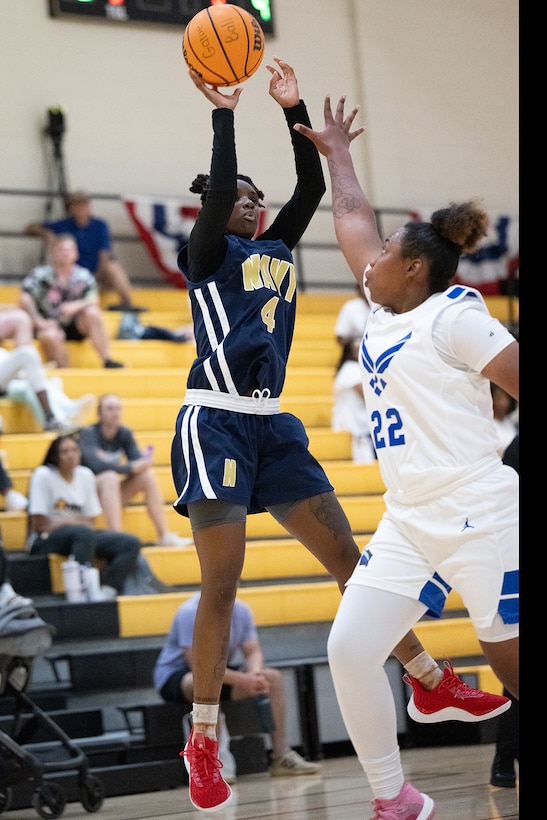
(62, 299)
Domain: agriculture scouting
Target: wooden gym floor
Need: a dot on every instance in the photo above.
(455, 777)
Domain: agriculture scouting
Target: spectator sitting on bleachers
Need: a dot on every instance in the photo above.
(16, 324)
(63, 506)
(94, 243)
(110, 451)
(63, 303)
(351, 319)
(71, 413)
(349, 411)
(173, 679)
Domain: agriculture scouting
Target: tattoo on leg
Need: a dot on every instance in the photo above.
(326, 508)
(220, 665)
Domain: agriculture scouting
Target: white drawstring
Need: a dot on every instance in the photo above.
(261, 396)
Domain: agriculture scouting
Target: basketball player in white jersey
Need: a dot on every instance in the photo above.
(428, 355)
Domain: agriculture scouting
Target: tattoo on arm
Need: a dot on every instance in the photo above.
(343, 200)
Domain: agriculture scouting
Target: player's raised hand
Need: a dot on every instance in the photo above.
(283, 84)
(212, 93)
(337, 129)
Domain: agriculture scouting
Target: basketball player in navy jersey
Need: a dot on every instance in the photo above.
(234, 453)
(428, 355)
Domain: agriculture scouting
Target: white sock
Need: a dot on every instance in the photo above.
(203, 713)
(422, 665)
(385, 775)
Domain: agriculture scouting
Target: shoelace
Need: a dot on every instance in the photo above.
(458, 687)
(209, 764)
(451, 683)
(261, 396)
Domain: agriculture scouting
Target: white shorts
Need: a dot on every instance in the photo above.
(467, 541)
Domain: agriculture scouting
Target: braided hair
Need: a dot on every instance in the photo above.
(201, 185)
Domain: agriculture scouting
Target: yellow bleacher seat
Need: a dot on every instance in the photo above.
(26, 450)
(152, 387)
(364, 513)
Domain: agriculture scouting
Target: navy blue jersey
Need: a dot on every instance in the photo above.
(244, 319)
(231, 440)
(243, 291)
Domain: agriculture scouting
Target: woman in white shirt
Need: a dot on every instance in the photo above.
(349, 411)
(63, 506)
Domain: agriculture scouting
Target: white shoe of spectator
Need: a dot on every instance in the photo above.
(81, 408)
(61, 426)
(171, 539)
(291, 763)
(8, 596)
(15, 501)
(226, 757)
(106, 593)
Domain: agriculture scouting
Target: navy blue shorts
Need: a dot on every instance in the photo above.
(253, 460)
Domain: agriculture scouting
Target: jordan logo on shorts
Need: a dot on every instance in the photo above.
(467, 525)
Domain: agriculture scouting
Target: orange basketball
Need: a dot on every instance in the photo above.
(224, 44)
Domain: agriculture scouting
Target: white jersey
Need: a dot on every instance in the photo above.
(431, 412)
(51, 495)
(349, 410)
(352, 318)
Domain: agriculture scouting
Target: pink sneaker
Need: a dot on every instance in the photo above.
(452, 699)
(410, 804)
(207, 789)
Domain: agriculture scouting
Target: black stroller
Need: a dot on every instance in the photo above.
(23, 636)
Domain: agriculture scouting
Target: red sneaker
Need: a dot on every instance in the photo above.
(410, 804)
(208, 791)
(452, 699)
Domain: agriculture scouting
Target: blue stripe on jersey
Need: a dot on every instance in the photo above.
(457, 290)
(433, 595)
(508, 606)
(511, 583)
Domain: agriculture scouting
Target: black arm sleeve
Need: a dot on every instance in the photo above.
(293, 219)
(207, 244)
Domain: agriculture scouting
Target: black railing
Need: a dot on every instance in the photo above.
(305, 276)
